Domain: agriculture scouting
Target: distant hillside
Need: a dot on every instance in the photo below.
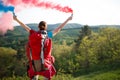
(71, 26)
(53, 26)
(102, 26)
(20, 31)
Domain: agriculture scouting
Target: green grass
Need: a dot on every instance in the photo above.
(109, 75)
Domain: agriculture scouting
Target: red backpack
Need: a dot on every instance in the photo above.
(38, 51)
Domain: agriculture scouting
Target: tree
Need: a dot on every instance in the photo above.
(85, 31)
(7, 60)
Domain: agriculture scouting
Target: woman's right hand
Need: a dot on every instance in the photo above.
(70, 18)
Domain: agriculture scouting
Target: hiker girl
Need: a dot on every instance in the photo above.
(39, 49)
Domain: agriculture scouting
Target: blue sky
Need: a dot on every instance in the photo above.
(90, 12)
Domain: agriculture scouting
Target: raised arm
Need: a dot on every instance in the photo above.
(22, 24)
(62, 25)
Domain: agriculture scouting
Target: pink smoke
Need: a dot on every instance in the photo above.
(6, 19)
(38, 3)
(6, 23)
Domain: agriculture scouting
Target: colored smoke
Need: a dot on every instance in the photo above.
(9, 5)
(5, 18)
(38, 3)
(5, 8)
(6, 23)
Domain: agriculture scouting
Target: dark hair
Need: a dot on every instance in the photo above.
(42, 25)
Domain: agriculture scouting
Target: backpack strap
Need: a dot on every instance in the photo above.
(44, 36)
(31, 53)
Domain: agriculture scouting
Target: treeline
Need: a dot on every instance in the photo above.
(88, 52)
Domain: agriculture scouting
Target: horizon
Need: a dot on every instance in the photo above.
(73, 23)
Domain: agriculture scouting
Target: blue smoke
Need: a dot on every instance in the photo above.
(4, 8)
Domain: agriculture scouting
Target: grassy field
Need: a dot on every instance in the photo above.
(109, 75)
(100, 75)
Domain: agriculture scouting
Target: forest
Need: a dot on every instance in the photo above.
(83, 53)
